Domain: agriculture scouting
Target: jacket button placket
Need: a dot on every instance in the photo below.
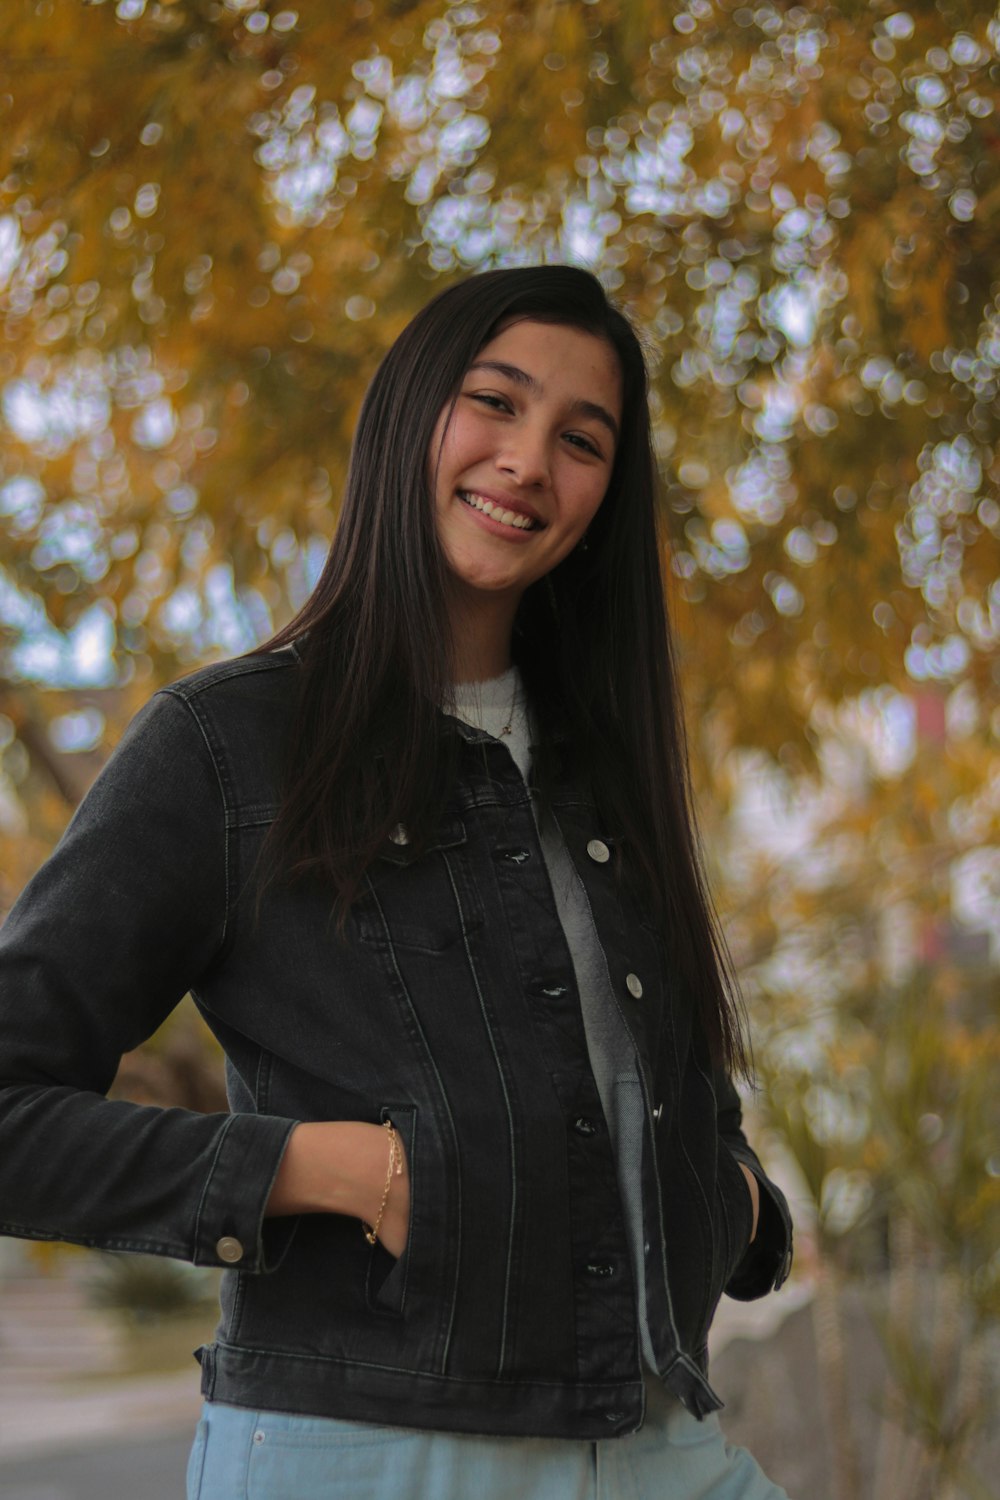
(602, 1296)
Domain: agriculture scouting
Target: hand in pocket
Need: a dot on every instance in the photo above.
(394, 1196)
(342, 1167)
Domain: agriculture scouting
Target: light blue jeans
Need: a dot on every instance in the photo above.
(240, 1454)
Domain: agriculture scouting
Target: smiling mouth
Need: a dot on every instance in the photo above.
(498, 513)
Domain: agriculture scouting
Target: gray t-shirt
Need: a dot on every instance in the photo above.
(492, 705)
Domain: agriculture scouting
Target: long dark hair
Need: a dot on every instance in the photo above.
(367, 748)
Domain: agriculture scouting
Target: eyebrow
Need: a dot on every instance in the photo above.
(521, 377)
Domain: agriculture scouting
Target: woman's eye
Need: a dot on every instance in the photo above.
(498, 403)
(579, 441)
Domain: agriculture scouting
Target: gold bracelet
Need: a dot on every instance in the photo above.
(395, 1168)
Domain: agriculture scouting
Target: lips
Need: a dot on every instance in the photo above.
(502, 511)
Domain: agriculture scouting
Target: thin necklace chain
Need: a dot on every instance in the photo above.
(505, 729)
(510, 716)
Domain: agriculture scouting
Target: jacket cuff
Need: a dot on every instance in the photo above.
(230, 1225)
(768, 1258)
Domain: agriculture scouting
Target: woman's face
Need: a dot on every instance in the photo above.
(527, 456)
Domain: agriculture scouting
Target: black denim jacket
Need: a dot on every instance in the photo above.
(451, 1007)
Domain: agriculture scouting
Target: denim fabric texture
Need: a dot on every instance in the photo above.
(239, 1454)
(451, 1007)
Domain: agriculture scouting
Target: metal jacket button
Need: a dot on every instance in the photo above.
(584, 1125)
(229, 1249)
(599, 851)
(514, 856)
(601, 1269)
(399, 835)
(658, 1111)
(634, 986)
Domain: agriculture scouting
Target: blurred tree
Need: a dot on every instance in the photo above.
(877, 1039)
(215, 217)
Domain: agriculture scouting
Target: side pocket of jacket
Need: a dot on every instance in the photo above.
(737, 1210)
(387, 1277)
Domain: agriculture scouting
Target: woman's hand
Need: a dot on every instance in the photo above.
(339, 1167)
(395, 1223)
(754, 1187)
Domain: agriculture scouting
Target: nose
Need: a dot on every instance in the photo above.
(525, 458)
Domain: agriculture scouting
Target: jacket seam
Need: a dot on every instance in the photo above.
(706, 1308)
(447, 1105)
(164, 1247)
(730, 1236)
(217, 672)
(441, 1375)
(223, 1133)
(226, 821)
(510, 1123)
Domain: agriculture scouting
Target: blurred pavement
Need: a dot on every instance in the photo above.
(71, 1428)
(149, 1467)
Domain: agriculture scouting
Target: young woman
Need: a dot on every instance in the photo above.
(426, 861)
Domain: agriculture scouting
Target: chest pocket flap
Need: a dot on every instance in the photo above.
(427, 902)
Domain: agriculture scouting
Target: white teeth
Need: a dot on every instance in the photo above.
(505, 517)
